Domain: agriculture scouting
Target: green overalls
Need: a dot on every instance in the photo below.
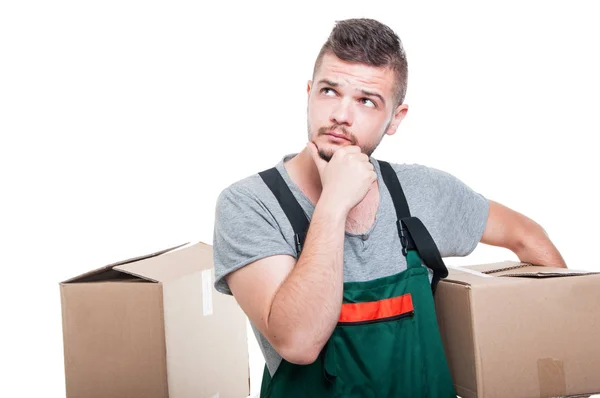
(387, 342)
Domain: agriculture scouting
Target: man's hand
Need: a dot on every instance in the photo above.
(347, 177)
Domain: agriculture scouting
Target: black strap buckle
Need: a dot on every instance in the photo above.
(298, 242)
(403, 237)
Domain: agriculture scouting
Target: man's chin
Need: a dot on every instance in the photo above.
(327, 150)
(326, 155)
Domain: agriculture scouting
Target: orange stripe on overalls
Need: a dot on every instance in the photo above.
(373, 310)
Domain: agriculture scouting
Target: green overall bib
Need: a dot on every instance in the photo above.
(387, 342)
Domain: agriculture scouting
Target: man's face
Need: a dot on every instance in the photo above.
(351, 104)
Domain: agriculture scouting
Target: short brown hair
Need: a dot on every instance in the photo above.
(369, 42)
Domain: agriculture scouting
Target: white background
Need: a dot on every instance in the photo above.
(121, 122)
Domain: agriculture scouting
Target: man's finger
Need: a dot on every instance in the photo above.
(351, 149)
(360, 156)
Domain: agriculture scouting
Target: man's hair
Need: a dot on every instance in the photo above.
(368, 42)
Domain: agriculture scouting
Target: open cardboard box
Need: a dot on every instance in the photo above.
(513, 329)
(153, 326)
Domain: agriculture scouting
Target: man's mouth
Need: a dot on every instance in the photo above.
(337, 135)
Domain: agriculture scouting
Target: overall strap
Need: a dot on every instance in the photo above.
(413, 233)
(288, 203)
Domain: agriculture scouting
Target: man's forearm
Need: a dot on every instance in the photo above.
(306, 307)
(537, 248)
(527, 239)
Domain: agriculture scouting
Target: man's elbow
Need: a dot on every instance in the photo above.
(295, 344)
(298, 352)
(299, 357)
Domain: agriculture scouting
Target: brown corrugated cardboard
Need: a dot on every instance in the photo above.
(513, 329)
(153, 326)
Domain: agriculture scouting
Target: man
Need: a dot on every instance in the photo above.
(341, 310)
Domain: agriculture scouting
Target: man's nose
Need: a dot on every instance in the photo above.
(342, 114)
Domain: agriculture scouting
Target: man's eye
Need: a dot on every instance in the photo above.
(368, 102)
(328, 91)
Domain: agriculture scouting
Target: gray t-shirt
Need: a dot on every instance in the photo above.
(250, 225)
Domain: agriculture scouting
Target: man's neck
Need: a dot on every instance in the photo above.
(303, 172)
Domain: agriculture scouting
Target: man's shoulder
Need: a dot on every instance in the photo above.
(409, 167)
(408, 170)
(245, 185)
(248, 188)
(423, 176)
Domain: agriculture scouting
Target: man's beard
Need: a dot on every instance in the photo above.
(326, 155)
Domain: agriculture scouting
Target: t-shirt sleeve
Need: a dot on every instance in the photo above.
(244, 231)
(458, 214)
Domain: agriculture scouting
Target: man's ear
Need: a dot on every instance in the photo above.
(308, 87)
(399, 114)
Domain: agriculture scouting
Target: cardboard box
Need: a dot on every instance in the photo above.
(153, 326)
(511, 329)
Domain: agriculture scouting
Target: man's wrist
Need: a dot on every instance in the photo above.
(331, 208)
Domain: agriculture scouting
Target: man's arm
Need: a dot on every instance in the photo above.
(296, 306)
(523, 236)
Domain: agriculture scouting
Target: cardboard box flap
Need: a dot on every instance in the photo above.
(495, 273)
(88, 276)
(492, 268)
(181, 261)
(543, 272)
(517, 269)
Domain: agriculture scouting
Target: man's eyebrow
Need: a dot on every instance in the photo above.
(371, 94)
(328, 83)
